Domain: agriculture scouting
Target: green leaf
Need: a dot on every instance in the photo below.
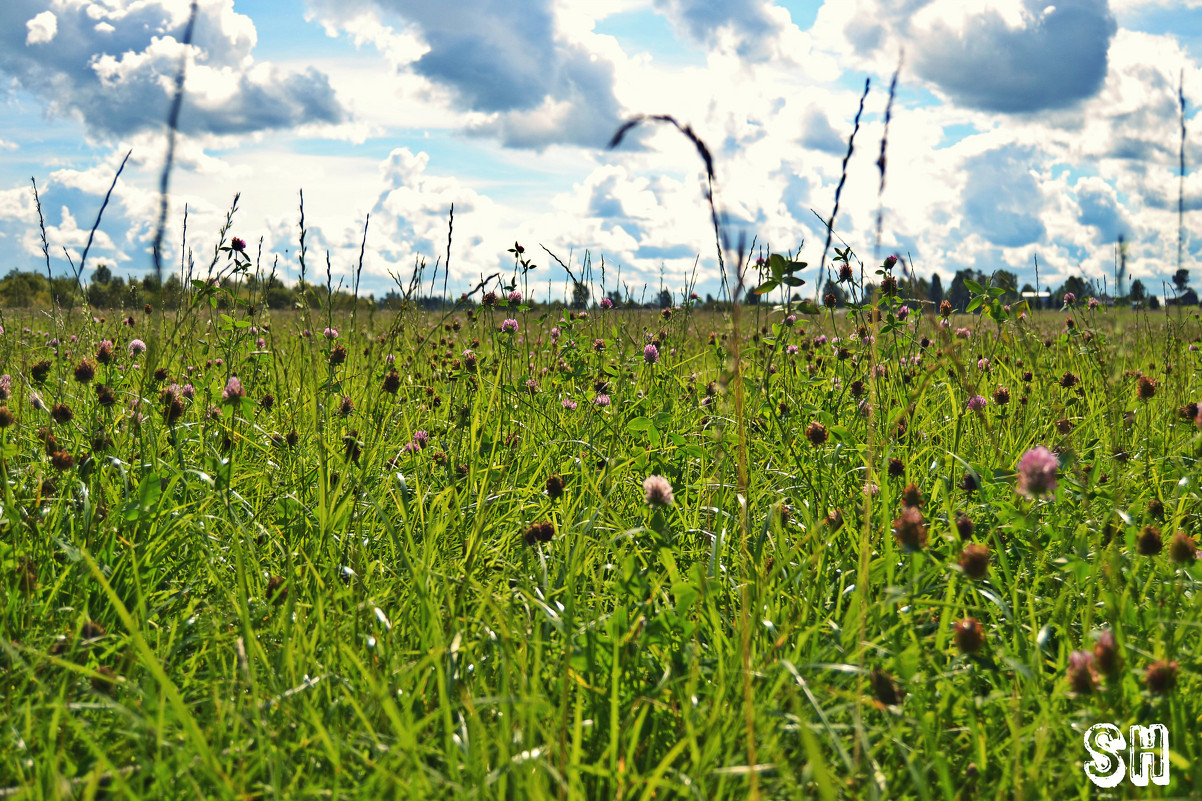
(792, 280)
(776, 263)
(973, 304)
(766, 287)
(640, 424)
(973, 286)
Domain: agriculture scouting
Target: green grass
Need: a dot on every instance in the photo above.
(283, 602)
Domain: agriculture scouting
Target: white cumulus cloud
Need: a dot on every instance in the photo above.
(41, 29)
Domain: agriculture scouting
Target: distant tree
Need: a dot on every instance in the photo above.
(1138, 291)
(1188, 298)
(1181, 280)
(580, 295)
(1007, 281)
(935, 295)
(959, 295)
(102, 274)
(615, 297)
(1075, 284)
(664, 300)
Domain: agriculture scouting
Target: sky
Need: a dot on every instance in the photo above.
(1020, 130)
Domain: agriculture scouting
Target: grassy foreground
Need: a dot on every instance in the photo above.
(419, 557)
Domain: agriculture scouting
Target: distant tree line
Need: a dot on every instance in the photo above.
(106, 291)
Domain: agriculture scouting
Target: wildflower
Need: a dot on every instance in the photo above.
(1037, 472)
(233, 391)
(173, 404)
(964, 527)
(104, 396)
(1182, 549)
(983, 364)
(1001, 396)
(976, 403)
(816, 434)
(897, 468)
(1070, 299)
(1161, 677)
(569, 404)
(657, 492)
(974, 560)
(61, 413)
(421, 438)
(910, 530)
(1106, 653)
(539, 532)
(606, 303)
(531, 386)
(40, 371)
(911, 496)
(969, 635)
(515, 297)
(1081, 675)
(337, 355)
(1065, 426)
(555, 486)
(651, 354)
(136, 347)
(6, 386)
(35, 399)
(6, 417)
(791, 350)
(509, 326)
(1069, 380)
(238, 244)
(392, 382)
(62, 460)
(346, 406)
(945, 308)
(903, 312)
(330, 333)
(1145, 388)
(85, 371)
(601, 401)
(1149, 542)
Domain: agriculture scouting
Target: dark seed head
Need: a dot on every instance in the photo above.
(554, 486)
(974, 560)
(969, 635)
(1161, 677)
(1182, 549)
(910, 530)
(1149, 542)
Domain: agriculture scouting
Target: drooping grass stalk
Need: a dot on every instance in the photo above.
(880, 162)
(830, 223)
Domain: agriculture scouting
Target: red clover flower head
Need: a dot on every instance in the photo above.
(330, 333)
(136, 347)
(651, 354)
(515, 297)
(509, 326)
(606, 303)
(233, 390)
(657, 492)
(1037, 472)
(976, 403)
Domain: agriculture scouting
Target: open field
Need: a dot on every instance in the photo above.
(291, 555)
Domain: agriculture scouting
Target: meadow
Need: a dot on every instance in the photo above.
(516, 551)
